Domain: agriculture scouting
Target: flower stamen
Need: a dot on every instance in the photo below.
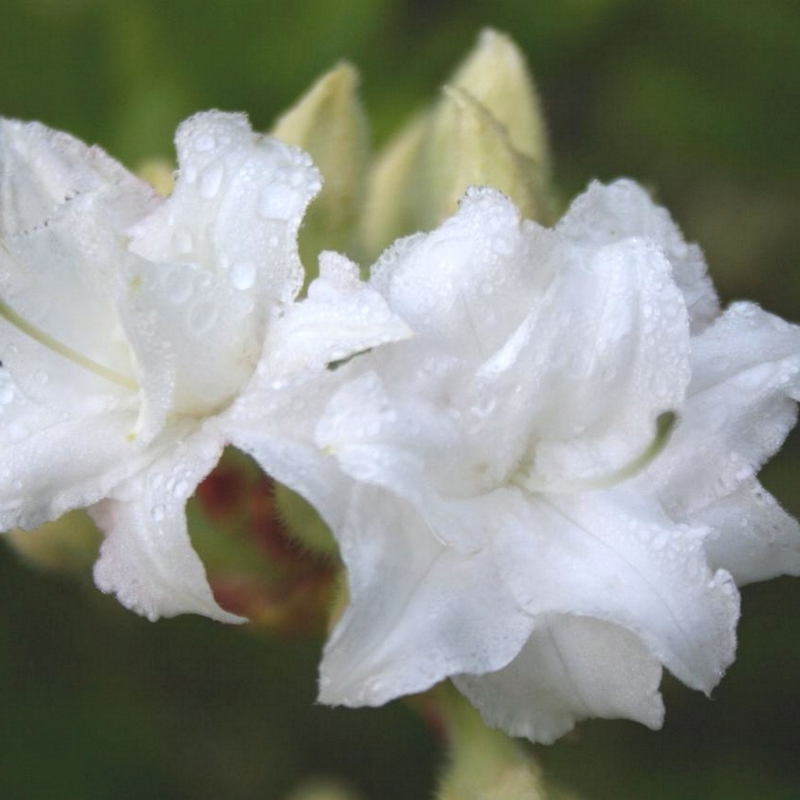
(665, 424)
(65, 351)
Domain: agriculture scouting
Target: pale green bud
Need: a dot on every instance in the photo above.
(496, 75)
(486, 130)
(472, 148)
(484, 763)
(324, 790)
(159, 173)
(393, 189)
(329, 123)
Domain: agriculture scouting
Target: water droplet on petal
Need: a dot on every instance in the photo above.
(484, 406)
(211, 180)
(202, 318)
(158, 513)
(178, 285)
(276, 202)
(243, 275)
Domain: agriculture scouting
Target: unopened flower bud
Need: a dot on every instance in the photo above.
(329, 123)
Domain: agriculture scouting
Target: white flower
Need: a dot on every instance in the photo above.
(138, 335)
(517, 517)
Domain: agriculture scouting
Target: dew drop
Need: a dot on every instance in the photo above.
(275, 202)
(181, 489)
(202, 318)
(484, 407)
(158, 513)
(502, 245)
(243, 275)
(189, 175)
(178, 285)
(743, 474)
(211, 180)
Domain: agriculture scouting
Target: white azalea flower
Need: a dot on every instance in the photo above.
(137, 335)
(517, 517)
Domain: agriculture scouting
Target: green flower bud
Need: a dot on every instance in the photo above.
(496, 75)
(324, 790)
(479, 153)
(329, 123)
(486, 130)
(484, 763)
(393, 190)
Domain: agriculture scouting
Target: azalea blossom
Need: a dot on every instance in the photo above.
(139, 335)
(552, 489)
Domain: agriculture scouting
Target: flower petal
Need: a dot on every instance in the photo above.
(196, 338)
(740, 407)
(570, 669)
(42, 171)
(147, 559)
(236, 208)
(604, 354)
(276, 427)
(609, 556)
(464, 287)
(51, 462)
(418, 611)
(64, 208)
(606, 214)
(752, 537)
(339, 317)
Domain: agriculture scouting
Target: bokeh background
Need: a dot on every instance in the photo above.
(698, 99)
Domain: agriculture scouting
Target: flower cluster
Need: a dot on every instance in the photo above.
(536, 446)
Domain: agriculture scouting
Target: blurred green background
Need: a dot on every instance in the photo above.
(698, 99)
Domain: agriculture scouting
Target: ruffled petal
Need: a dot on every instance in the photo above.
(418, 611)
(42, 171)
(604, 352)
(739, 409)
(63, 212)
(752, 537)
(623, 209)
(465, 286)
(339, 317)
(571, 669)
(196, 339)
(146, 558)
(612, 557)
(237, 205)
(275, 425)
(51, 463)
